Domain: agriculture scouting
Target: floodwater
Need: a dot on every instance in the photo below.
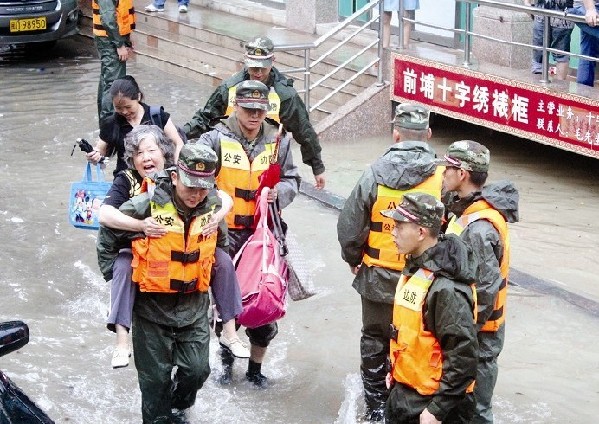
(49, 276)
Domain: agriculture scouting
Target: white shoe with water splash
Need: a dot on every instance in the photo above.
(120, 357)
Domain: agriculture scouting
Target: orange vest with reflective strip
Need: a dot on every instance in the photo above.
(416, 356)
(274, 103)
(125, 18)
(483, 210)
(172, 263)
(239, 178)
(380, 249)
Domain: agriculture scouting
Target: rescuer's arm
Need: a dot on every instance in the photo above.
(353, 225)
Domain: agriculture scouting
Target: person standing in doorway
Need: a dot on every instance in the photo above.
(479, 214)
(367, 245)
(390, 6)
(113, 23)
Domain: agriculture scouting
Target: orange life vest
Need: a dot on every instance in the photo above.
(274, 103)
(483, 210)
(125, 18)
(240, 179)
(171, 263)
(380, 249)
(416, 356)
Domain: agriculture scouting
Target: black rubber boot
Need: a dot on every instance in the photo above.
(180, 416)
(254, 375)
(227, 360)
(376, 415)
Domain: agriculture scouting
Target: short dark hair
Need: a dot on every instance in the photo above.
(478, 178)
(435, 230)
(127, 87)
(406, 134)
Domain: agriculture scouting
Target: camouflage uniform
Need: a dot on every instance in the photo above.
(171, 329)
(252, 95)
(484, 240)
(447, 312)
(111, 68)
(404, 165)
(293, 113)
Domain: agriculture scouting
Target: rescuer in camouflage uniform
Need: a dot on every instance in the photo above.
(113, 22)
(479, 214)
(433, 349)
(285, 105)
(367, 245)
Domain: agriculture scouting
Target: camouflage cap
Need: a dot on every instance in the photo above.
(414, 117)
(196, 166)
(259, 53)
(251, 94)
(419, 208)
(468, 155)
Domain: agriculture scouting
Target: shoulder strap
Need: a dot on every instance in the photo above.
(156, 115)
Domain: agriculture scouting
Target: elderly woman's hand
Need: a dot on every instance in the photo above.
(152, 229)
(212, 225)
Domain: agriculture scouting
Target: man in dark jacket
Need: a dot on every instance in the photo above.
(367, 245)
(479, 215)
(170, 313)
(244, 145)
(433, 336)
(285, 105)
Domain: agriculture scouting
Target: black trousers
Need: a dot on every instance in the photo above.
(374, 351)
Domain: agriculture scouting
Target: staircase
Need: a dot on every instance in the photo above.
(207, 45)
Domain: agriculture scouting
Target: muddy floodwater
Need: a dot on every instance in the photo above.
(50, 279)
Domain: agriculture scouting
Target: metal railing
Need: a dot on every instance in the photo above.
(468, 33)
(309, 65)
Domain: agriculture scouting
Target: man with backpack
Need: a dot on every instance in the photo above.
(246, 147)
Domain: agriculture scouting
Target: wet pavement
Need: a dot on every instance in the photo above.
(49, 276)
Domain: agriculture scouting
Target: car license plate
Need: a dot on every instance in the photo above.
(30, 24)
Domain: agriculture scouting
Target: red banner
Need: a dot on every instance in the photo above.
(563, 120)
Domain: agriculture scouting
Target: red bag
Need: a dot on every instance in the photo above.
(262, 273)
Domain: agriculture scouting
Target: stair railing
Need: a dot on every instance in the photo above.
(309, 65)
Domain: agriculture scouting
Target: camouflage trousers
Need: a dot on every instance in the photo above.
(111, 68)
(158, 350)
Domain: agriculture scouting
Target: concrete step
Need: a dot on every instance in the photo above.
(205, 43)
(175, 47)
(194, 55)
(231, 46)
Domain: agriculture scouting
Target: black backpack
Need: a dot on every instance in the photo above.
(156, 118)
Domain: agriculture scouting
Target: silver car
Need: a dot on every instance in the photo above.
(37, 21)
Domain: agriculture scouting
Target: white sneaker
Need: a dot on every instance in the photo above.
(120, 357)
(153, 8)
(236, 346)
(182, 8)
